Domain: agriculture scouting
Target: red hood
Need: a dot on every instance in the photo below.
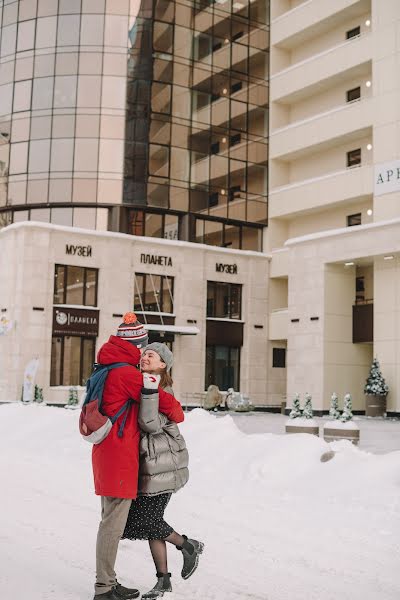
(118, 350)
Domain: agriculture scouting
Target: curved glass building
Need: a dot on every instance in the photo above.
(148, 118)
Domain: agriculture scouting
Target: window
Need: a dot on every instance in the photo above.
(72, 359)
(279, 357)
(354, 94)
(222, 367)
(152, 224)
(234, 192)
(153, 293)
(75, 285)
(354, 158)
(213, 199)
(215, 148)
(353, 33)
(353, 220)
(235, 139)
(360, 290)
(224, 300)
(235, 87)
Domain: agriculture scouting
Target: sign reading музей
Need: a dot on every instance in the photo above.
(75, 321)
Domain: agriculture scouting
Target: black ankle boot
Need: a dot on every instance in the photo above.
(191, 550)
(163, 585)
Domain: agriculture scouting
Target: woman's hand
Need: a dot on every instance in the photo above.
(150, 381)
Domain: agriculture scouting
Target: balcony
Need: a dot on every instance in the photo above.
(278, 324)
(322, 130)
(205, 171)
(258, 96)
(234, 54)
(323, 70)
(279, 266)
(298, 25)
(363, 323)
(326, 190)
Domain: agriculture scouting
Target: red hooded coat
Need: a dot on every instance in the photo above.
(116, 460)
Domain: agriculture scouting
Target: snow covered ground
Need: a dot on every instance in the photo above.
(277, 523)
(376, 435)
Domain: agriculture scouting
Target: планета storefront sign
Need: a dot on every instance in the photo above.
(75, 321)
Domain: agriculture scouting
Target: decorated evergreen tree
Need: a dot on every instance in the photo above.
(296, 410)
(375, 383)
(38, 397)
(73, 397)
(334, 411)
(347, 414)
(308, 411)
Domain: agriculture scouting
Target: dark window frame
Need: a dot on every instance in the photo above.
(353, 220)
(60, 267)
(60, 375)
(353, 91)
(353, 158)
(212, 348)
(354, 32)
(137, 211)
(146, 278)
(213, 287)
(279, 358)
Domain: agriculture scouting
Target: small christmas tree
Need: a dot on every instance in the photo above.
(308, 411)
(73, 397)
(296, 410)
(347, 414)
(334, 409)
(375, 383)
(38, 397)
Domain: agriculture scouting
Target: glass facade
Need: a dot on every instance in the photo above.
(197, 119)
(149, 118)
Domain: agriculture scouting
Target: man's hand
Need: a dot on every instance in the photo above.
(150, 381)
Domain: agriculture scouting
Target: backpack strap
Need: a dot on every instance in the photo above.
(125, 408)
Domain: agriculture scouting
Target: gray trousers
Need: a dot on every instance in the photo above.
(114, 513)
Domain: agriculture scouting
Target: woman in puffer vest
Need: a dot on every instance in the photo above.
(163, 470)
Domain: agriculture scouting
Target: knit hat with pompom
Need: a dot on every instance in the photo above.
(132, 331)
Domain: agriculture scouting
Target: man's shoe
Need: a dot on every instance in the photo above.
(191, 550)
(118, 592)
(126, 593)
(110, 595)
(163, 585)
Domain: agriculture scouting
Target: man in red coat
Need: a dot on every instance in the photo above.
(116, 460)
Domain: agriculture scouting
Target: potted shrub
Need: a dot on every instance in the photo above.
(73, 400)
(302, 421)
(342, 427)
(376, 391)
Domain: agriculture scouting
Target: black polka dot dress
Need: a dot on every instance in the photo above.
(146, 518)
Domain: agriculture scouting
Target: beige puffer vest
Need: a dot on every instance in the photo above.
(164, 459)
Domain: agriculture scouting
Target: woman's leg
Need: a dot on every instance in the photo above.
(158, 550)
(175, 538)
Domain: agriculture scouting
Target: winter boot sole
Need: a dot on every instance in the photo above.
(199, 551)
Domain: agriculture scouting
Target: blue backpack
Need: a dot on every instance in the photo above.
(94, 425)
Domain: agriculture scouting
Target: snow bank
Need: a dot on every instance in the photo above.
(277, 523)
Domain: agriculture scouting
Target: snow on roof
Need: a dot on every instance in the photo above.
(130, 238)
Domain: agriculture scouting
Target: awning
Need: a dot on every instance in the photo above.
(177, 329)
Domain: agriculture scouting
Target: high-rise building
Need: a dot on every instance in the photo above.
(149, 118)
(334, 217)
(128, 131)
